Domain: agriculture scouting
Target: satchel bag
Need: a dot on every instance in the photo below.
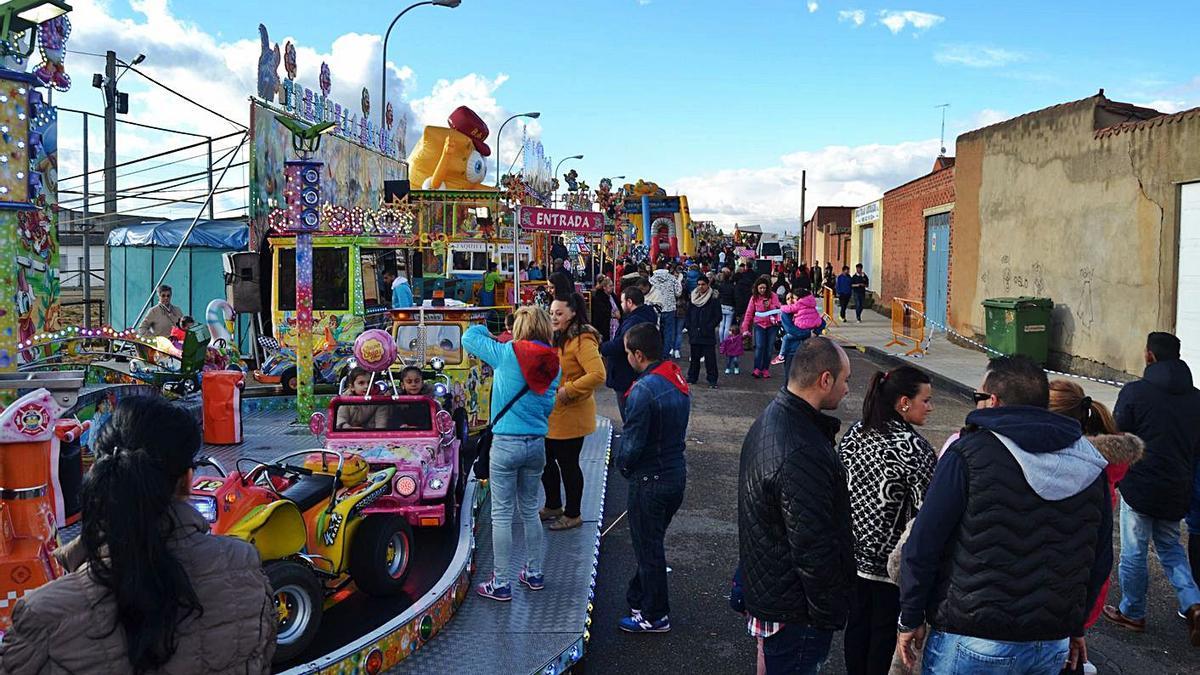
(483, 455)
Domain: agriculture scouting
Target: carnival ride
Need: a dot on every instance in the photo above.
(31, 496)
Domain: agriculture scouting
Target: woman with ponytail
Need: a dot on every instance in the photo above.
(149, 590)
(889, 466)
(1120, 450)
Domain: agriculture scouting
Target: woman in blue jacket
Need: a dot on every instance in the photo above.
(525, 381)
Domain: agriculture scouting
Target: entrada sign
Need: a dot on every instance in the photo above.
(560, 220)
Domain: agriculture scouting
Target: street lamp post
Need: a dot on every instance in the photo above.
(516, 220)
(383, 74)
(555, 176)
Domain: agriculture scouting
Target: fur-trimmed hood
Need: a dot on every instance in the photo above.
(1119, 448)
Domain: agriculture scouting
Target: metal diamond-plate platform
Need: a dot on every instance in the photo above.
(538, 628)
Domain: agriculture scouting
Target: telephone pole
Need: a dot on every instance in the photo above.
(803, 188)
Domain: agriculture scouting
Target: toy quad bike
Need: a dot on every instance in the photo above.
(317, 528)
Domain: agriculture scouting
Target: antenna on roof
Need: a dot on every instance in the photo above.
(943, 106)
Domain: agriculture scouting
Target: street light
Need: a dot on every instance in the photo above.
(557, 167)
(516, 221)
(383, 75)
(19, 16)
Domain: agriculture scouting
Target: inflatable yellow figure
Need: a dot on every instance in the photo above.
(451, 158)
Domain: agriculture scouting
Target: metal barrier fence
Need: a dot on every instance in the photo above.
(908, 325)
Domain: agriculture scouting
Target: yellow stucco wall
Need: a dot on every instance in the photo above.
(875, 229)
(1045, 206)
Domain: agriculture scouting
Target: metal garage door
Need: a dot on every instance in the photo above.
(1187, 297)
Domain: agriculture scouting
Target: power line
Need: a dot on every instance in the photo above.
(189, 100)
(154, 206)
(195, 177)
(158, 154)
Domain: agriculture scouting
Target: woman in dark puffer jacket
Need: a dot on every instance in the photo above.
(889, 466)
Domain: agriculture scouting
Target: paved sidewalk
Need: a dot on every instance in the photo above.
(950, 365)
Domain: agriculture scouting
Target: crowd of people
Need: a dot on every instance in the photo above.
(992, 554)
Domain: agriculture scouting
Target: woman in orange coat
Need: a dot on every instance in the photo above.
(574, 415)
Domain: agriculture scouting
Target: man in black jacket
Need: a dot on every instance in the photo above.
(620, 374)
(703, 317)
(743, 288)
(794, 530)
(1013, 544)
(1162, 409)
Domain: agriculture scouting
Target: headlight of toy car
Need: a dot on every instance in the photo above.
(436, 484)
(439, 390)
(207, 506)
(406, 486)
(437, 363)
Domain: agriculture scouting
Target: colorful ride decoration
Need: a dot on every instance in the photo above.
(29, 253)
(451, 157)
(375, 350)
(222, 352)
(29, 434)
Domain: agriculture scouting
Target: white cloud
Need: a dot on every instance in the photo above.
(897, 21)
(643, 3)
(988, 117)
(1165, 105)
(837, 176)
(978, 56)
(855, 16)
(812, 6)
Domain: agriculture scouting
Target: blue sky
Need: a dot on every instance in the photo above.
(723, 100)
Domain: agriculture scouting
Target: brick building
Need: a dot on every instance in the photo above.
(827, 236)
(918, 219)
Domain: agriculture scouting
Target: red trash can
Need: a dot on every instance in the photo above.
(221, 393)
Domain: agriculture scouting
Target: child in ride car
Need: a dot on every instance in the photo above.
(412, 382)
(358, 415)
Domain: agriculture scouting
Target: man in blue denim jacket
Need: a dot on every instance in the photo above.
(651, 458)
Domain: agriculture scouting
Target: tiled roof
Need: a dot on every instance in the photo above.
(1173, 118)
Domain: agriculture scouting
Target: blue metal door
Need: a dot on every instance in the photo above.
(937, 266)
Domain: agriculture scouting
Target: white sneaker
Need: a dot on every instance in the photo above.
(1088, 668)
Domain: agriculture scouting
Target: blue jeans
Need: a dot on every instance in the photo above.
(953, 654)
(653, 501)
(860, 299)
(1136, 532)
(678, 333)
(516, 482)
(796, 649)
(1193, 516)
(726, 322)
(764, 344)
(668, 323)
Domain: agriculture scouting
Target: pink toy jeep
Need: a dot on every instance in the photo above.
(412, 434)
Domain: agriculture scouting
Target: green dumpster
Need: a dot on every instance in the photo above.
(1019, 326)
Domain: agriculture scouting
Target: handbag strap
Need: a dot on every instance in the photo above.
(510, 404)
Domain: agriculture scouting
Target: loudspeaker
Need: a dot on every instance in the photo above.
(310, 197)
(242, 286)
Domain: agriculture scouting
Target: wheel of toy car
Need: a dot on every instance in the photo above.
(298, 603)
(380, 554)
(288, 380)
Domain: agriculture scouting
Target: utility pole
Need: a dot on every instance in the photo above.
(110, 138)
(803, 189)
(87, 227)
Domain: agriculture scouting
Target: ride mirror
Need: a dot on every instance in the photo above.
(444, 423)
(317, 423)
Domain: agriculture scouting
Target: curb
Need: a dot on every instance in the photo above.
(942, 381)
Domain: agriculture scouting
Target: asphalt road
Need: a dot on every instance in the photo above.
(706, 636)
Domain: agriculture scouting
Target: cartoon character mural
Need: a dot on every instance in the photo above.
(28, 222)
(52, 36)
(452, 157)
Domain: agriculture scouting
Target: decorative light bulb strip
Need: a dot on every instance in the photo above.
(391, 220)
(75, 332)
